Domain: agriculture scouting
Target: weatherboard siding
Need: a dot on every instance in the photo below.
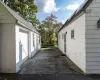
(93, 38)
(7, 48)
(5, 17)
(75, 47)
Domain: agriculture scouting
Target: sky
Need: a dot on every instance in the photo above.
(62, 9)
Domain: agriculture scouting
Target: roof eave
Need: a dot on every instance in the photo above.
(75, 15)
(23, 25)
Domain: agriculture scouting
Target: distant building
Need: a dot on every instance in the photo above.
(79, 37)
(19, 40)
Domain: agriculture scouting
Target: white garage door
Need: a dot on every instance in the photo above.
(23, 37)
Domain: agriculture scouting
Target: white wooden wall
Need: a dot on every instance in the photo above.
(93, 38)
(9, 41)
(34, 48)
(75, 47)
(7, 48)
(31, 49)
(22, 47)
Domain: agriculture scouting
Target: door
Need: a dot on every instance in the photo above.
(23, 39)
(65, 42)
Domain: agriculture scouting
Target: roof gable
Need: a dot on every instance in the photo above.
(5, 16)
(19, 18)
(82, 8)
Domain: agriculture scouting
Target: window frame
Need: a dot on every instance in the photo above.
(72, 34)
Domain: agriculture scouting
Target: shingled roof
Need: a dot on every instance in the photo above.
(19, 19)
(76, 13)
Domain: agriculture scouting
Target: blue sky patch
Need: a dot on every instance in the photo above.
(63, 9)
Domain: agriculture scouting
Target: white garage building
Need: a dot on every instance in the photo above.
(79, 37)
(19, 40)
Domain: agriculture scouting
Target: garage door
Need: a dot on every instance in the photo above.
(23, 37)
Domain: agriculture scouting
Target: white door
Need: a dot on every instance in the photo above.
(23, 39)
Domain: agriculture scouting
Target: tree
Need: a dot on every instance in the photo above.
(54, 38)
(25, 8)
(49, 30)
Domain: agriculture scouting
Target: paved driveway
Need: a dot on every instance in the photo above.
(50, 61)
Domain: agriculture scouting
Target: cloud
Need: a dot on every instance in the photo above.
(73, 6)
(68, 16)
(63, 21)
(46, 6)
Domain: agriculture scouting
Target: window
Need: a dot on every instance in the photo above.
(72, 34)
(33, 39)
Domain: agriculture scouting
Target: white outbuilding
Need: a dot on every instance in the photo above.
(19, 40)
(79, 37)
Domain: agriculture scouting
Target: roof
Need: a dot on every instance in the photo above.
(19, 19)
(82, 8)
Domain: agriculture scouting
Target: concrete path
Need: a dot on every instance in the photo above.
(46, 61)
(50, 61)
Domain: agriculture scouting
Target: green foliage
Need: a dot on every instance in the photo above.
(54, 38)
(48, 30)
(25, 8)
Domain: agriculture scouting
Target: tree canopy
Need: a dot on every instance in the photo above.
(49, 30)
(26, 9)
